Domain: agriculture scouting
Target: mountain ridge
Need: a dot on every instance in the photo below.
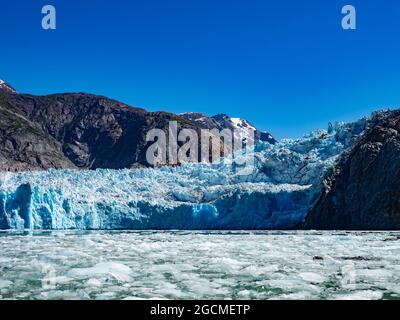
(82, 130)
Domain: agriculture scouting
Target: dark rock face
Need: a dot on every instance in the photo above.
(94, 132)
(363, 192)
(24, 145)
(75, 130)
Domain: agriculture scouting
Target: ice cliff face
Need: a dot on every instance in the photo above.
(276, 195)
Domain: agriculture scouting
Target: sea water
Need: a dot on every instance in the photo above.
(199, 265)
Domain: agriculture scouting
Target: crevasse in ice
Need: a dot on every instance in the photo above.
(276, 195)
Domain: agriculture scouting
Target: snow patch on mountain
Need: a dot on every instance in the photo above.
(5, 86)
(243, 130)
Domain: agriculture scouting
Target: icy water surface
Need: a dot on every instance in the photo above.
(200, 265)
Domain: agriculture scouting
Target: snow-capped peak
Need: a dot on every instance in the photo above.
(243, 129)
(242, 124)
(6, 87)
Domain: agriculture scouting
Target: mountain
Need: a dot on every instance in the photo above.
(24, 145)
(362, 192)
(5, 87)
(76, 130)
(223, 121)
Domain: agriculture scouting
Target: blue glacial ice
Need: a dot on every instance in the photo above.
(275, 195)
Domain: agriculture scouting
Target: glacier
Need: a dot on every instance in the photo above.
(277, 194)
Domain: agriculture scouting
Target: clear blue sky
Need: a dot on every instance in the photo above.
(287, 65)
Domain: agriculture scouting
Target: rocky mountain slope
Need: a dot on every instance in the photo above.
(75, 130)
(363, 190)
(24, 145)
(5, 87)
